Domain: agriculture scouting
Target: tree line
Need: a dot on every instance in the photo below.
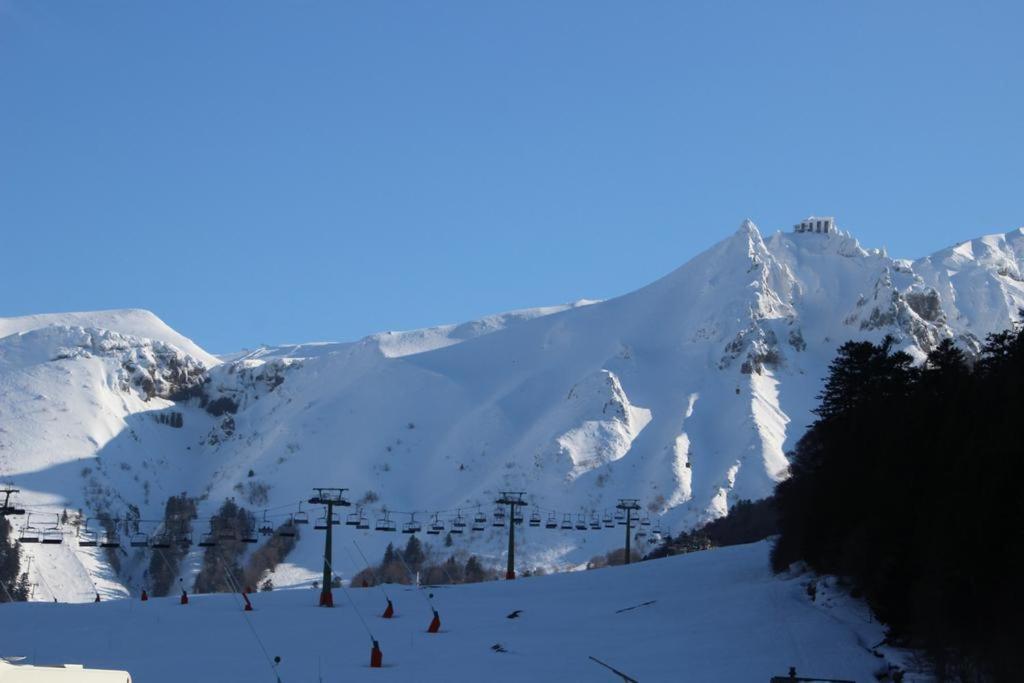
(908, 486)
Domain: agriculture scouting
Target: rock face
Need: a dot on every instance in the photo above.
(685, 394)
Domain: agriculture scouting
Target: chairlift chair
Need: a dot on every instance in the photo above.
(138, 540)
(110, 540)
(479, 521)
(183, 539)
(352, 518)
(534, 518)
(301, 517)
(552, 522)
(227, 534)
(620, 517)
(363, 523)
(641, 534)
(518, 517)
(595, 522)
(412, 526)
(385, 523)
(567, 521)
(29, 534)
(207, 540)
(161, 542)
(265, 528)
(498, 517)
(52, 536)
(86, 537)
(581, 522)
(321, 522)
(607, 520)
(249, 536)
(287, 530)
(646, 521)
(436, 526)
(458, 523)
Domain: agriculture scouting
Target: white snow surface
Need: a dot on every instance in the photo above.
(686, 394)
(712, 616)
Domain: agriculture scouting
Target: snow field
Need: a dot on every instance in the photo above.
(717, 616)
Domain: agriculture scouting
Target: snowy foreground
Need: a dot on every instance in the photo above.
(717, 616)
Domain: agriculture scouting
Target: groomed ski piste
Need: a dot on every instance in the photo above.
(719, 615)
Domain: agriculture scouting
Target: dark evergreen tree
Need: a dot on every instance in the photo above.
(413, 554)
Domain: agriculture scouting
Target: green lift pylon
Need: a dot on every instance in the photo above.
(329, 498)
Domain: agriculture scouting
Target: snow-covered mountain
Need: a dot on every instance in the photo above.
(685, 394)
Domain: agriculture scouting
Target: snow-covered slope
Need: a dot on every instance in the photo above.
(132, 322)
(685, 394)
(712, 616)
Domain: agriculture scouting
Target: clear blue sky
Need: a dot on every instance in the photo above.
(266, 172)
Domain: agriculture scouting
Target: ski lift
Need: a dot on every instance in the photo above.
(534, 518)
(207, 540)
(581, 522)
(227, 534)
(552, 522)
(567, 521)
(436, 526)
(641, 534)
(518, 517)
(265, 528)
(138, 540)
(352, 518)
(458, 523)
(249, 536)
(607, 520)
(52, 536)
(646, 521)
(364, 523)
(657, 528)
(321, 522)
(110, 539)
(385, 523)
(620, 517)
(595, 522)
(498, 516)
(288, 530)
(301, 517)
(412, 526)
(86, 537)
(29, 534)
(160, 542)
(479, 521)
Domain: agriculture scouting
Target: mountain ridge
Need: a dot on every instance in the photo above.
(686, 393)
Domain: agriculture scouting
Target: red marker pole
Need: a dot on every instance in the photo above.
(376, 656)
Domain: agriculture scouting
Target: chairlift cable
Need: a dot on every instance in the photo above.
(376, 577)
(266, 655)
(341, 584)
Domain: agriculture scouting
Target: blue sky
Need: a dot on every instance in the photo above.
(266, 172)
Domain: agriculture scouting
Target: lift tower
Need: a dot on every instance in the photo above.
(6, 508)
(513, 499)
(627, 505)
(330, 498)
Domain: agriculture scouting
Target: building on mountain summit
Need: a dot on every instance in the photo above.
(823, 224)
